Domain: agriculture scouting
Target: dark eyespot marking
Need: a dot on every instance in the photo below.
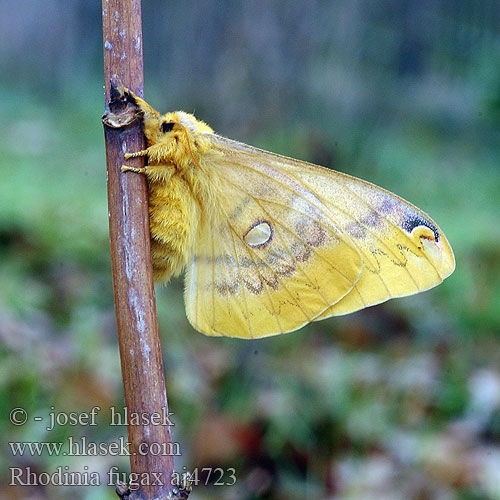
(412, 221)
(167, 126)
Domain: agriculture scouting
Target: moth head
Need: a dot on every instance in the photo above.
(160, 128)
(176, 125)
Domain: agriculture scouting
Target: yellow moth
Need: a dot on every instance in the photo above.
(270, 243)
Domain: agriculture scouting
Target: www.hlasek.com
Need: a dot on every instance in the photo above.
(80, 447)
(62, 476)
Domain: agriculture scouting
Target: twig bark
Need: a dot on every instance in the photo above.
(140, 351)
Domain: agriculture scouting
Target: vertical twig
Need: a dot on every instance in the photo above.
(140, 351)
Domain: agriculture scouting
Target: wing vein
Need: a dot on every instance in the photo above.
(242, 284)
(264, 281)
(286, 229)
(327, 302)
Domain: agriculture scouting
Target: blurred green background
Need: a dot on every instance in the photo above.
(399, 401)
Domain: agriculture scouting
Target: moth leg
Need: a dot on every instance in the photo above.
(126, 168)
(136, 154)
(143, 152)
